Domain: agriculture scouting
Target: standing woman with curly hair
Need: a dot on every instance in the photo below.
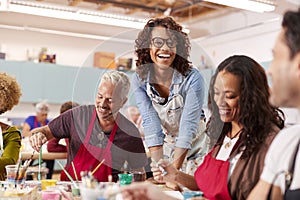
(10, 94)
(169, 92)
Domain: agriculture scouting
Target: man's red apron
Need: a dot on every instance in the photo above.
(88, 156)
(212, 177)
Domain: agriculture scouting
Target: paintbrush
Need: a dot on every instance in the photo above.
(68, 175)
(32, 155)
(25, 166)
(18, 169)
(74, 170)
(98, 166)
(24, 169)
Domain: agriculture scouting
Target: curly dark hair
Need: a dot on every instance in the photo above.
(291, 23)
(142, 46)
(10, 92)
(257, 116)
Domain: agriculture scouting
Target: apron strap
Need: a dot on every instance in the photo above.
(176, 89)
(149, 91)
(156, 98)
(292, 167)
(36, 124)
(90, 128)
(288, 174)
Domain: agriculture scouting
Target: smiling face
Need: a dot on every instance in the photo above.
(227, 95)
(284, 73)
(164, 56)
(108, 101)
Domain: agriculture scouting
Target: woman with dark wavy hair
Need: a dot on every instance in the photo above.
(242, 125)
(169, 92)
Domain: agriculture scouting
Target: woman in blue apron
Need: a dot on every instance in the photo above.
(169, 93)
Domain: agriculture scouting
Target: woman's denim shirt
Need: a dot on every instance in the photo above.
(191, 89)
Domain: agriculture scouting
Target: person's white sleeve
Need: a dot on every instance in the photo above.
(279, 156)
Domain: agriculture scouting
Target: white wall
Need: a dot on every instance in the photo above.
(253, 39)
(23, 110)
(252, 35)
(69, 50)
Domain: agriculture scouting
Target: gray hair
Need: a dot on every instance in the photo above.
(42, 107)
(120, 80)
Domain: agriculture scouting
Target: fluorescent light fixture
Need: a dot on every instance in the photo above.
(65, 33)
(3, 5)
(251, 5)
(73, 13)
(297, 2)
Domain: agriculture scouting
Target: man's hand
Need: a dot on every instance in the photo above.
(37, 139)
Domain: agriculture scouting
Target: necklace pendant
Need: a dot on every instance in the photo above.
(227, 145)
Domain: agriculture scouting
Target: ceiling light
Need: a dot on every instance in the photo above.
(65, 33)
(251, 5)
(73, 13)
(297, 2)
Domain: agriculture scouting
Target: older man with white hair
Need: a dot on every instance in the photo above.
(98, 134)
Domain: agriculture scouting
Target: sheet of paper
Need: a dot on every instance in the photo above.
(175, 194)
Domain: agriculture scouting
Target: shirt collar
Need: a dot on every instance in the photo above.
(176, 79)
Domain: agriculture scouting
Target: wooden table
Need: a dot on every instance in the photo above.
(45, 155)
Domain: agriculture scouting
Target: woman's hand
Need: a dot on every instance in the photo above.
(163, 171)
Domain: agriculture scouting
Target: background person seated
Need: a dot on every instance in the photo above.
(133, 114)
(38, 120)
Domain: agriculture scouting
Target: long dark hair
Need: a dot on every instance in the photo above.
(257, 116)
(142, 46)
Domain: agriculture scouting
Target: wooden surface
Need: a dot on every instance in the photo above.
(45, 155)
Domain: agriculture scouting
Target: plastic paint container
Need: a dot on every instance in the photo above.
(51, 195)
(190, 194)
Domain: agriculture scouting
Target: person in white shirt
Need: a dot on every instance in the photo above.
(281, 174)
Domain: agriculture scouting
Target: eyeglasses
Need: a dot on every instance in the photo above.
(159, 42)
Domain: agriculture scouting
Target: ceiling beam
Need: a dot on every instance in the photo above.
(74, 2)
(103, 6)
(129, 5)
